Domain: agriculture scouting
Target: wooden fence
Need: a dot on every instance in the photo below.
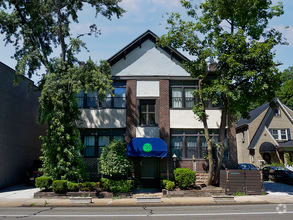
(249, 182)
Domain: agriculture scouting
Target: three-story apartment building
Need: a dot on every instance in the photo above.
(152, 111)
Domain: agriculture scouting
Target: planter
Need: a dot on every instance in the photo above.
(148, 199)
(80, 200)
(223, 199)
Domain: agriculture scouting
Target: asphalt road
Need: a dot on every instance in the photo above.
(178, 212)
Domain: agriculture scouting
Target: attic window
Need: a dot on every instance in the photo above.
(277, 112)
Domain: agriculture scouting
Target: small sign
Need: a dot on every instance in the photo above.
(147, 147)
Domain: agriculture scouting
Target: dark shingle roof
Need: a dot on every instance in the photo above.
(286, 144)
(254, 113)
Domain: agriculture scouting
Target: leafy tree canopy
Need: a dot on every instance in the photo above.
(37, 29)
(233, 57)
(285, 94)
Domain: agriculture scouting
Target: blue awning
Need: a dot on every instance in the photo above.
(147, 147)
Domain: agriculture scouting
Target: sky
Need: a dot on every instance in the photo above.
(140, 16)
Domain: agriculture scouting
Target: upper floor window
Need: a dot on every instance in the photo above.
(91, 99)
(277, 112)
(280, 134)
(148, 112)
(181, 94)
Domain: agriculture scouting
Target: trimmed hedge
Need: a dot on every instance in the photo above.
(87, 186)
(44, 182)
(72, 186)
(184, 177)
(59, 186)
(116, 185)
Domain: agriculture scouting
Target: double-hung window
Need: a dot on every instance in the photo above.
(119, 98)
(96, 139)
(181, 94)
(148, 112)
(92, 100)
(280, 134)
(189, 143)
(89, 142)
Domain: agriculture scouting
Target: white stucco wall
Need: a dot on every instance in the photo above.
(150, 132)
(103, 118)
(187, 119)
(148, 61)
(148, 89)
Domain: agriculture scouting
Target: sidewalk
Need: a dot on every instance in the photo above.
(20, 195)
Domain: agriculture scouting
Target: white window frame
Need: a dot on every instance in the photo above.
(279, 132)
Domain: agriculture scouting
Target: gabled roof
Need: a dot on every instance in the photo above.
(148, 35)
(262, 126)
(253, 114)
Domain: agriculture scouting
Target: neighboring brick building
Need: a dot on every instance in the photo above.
(152, 100)
(266, 136)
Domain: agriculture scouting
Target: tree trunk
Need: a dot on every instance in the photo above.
(221, 149)
(206, 132)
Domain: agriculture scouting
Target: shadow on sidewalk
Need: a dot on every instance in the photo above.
(146, 191)
(18, 187)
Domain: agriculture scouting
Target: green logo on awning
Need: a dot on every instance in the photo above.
(147, 147)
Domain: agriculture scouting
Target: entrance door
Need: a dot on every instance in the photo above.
(149, 171)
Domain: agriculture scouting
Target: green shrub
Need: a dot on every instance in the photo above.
(72, 186)
(289, 162)
(275, 164)
(105, 183)
(184, 177)
(88, 186)
(169, 185)
(113, 160)
(59, 186)
(116, 185)
(44, 182)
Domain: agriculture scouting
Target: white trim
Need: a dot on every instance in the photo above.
(280, 135)
(276, 143)
(285, 110)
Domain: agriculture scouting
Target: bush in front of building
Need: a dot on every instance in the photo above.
(169, 185)
(59, 186)
(113, 161)
(116, 185)
(73, 187)
(87, 186)
(44, 182)
(184, 177)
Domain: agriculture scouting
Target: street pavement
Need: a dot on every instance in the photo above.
(23, 196)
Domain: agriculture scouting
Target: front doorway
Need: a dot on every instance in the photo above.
(149, 172)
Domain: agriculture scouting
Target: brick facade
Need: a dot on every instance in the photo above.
(164, 125)
(130, 110)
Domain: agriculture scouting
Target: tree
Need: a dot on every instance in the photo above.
(232, 36)
(37, 28)
(285, 94)
(113, 160)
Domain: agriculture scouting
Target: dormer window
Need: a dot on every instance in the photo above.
(277, 112)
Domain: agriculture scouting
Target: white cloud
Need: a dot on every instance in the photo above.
(131, 5)
(167, 3)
